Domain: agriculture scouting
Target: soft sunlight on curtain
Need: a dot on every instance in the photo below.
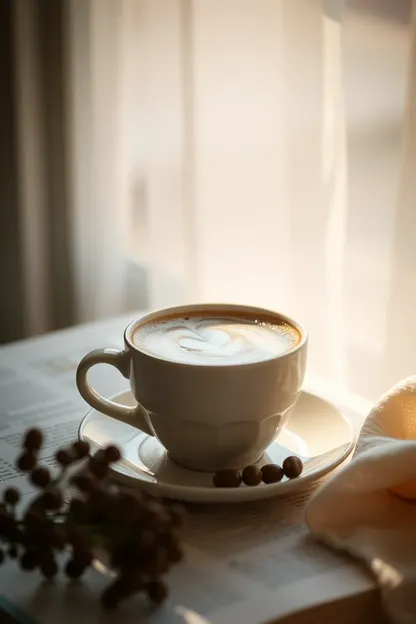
(250, 152)
(262, 159)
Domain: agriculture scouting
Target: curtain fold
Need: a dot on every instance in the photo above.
(42, 206)
(11, 265)
(98, 123)
(377, 62)
(401, 334)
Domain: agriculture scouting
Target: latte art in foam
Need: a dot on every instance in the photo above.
(215, 340)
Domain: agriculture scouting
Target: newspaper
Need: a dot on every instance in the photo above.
(244, 563)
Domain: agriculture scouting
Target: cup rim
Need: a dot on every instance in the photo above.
(229, 307)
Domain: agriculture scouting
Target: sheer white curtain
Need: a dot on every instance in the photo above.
(253, 152)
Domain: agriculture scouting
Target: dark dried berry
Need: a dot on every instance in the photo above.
(174, 552)
(26, 461)
(81, 449)
(74, 569)
(34, 520)
(252, 475)
(167, 537)
(146, 538)
(64, 457)
(125, 555)
(227, 478)
(272, 473)
(15, 532)
(136, 581)
(177, 515)
(157, 591)
(83, 482)
(40, 476)
(137, 530)
(112, 454)
(51, 499)
(46, 556)
(154, 514)
(11, 496)
(48, 567)
(7, 526)
(128, 503)
(82, 555)
(78, 510)
(100, 505)
(33, 440)
(98, 467)
(109, 599)
(114, 593)
(29, 560)
(292, 467)
(13, 552)
(158, 562)
(78, 538)
(58, 538)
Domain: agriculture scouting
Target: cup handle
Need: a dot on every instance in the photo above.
(136, 416)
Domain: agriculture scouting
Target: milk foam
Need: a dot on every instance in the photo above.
(215, 340)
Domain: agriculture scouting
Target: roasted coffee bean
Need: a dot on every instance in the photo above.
(272, 473)
(292, 467)
(227, 478)
(252, 475)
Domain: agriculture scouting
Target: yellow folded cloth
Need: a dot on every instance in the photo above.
(369, 508)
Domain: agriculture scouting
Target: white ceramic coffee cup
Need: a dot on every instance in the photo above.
(208, 417)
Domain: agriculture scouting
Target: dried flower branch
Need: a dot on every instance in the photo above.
(136, 533)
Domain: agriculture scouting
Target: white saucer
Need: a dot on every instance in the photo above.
(317, 433)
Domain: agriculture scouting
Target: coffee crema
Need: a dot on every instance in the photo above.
(205, 338)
